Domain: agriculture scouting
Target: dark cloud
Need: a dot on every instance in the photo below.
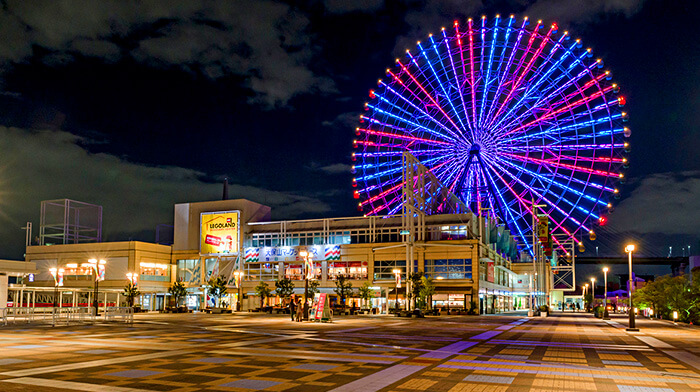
(343, 6)
(567, 12)
(46, 165)
(266, 42)
(666, 203)
(435, 14)
(336, 168)
(347, 121)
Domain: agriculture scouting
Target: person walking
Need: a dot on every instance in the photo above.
(292, 309)
(300, 311)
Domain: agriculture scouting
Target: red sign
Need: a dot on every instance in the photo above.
(212, 240)
(490, 272)
(319, 307)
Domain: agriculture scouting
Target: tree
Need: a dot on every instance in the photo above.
(427, 291)
(313, 287)
(366, 293)
(284, 288)
(178, 292)
(131, 292)
(416, 287)
(263, 290)
(652, 295)
(343, 288)
(217, 287)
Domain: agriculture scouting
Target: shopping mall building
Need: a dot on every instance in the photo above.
(463, 254)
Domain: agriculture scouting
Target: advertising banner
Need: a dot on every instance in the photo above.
(490, 272)
(219, 233)
(321, 308)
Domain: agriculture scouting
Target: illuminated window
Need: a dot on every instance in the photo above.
(155, 271)
(351, 269)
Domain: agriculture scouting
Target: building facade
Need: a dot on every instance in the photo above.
(236, 239)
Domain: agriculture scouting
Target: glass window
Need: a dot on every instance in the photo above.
(261, 271)
(185, 268)
(384, 269)
(448, 268)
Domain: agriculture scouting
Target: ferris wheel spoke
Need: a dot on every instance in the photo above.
(430, 97)
(442, 87)
(547, 95)
(516, 85)
(458, 85)
(503, 76)
(487, 80)
(552, 181)
(535, 86)
(407, 121)
(562, 165)
(551, 203)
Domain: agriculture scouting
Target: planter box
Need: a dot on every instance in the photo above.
(543, 314)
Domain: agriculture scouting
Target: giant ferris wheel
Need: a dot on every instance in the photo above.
(505, 114)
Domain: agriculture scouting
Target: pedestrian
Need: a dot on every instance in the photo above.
(578, 306)
(300, 311)
(292, 309)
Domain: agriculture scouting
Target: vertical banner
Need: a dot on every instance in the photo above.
(398, 281)
(101, 271)
(60, 277)
(490, 272)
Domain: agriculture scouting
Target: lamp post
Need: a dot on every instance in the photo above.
(531, 312)
(239, 281)
(593, 294)
(606, 316)
(397, 273)
(632, 327)
(585, 290)
(306, 257)
(97, 269)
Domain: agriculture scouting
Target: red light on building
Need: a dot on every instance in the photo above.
(603, 220)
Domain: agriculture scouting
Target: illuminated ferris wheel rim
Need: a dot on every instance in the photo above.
(502, 114)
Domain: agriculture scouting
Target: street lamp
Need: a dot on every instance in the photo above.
(397, 273)
(606, 316)
(632, 327)
(98, 269)
(585, 290)
(593, 294)
(239, 280)
(306, 255)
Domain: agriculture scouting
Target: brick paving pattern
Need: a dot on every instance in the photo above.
(254, 352)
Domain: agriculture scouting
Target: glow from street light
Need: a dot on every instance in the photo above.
(303, 253)
(629, 248)
(605, 269)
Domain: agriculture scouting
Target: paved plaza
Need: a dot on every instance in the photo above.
(246, 352)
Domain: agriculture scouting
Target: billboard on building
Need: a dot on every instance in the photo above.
(219, 232)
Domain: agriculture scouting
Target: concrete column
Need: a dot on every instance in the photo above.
(105, 303)
(3, 291)
(21, 298)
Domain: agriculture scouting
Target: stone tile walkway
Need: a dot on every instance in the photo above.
(253, 352)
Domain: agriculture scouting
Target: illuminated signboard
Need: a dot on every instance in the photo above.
(219, 233)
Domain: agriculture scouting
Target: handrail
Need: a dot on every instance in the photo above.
(64, 315)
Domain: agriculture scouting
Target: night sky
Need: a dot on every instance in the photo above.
(137, 105)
